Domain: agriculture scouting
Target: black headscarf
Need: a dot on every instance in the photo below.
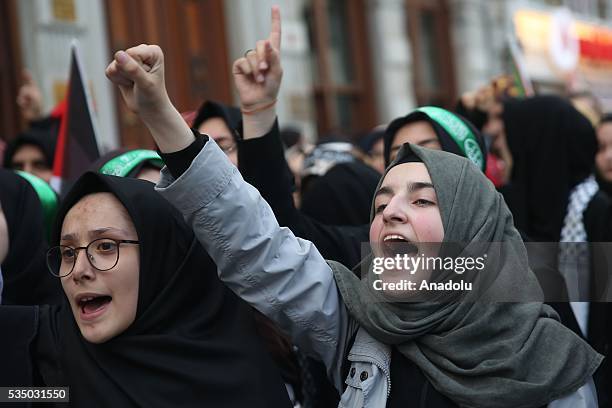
(342, 196)
(42, 135)
(553, 148)
(367, 142)
(447, 141)
(210, 109)
(26, 280)
(192, 342)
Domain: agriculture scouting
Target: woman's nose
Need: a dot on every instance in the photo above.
(395, 211)
(82, 267)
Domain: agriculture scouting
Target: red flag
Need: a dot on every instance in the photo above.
(77, 145)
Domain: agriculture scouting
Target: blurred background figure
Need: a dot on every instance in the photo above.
(33, 150)
(24, 270)
(603, 159)
(296, 149)
(373, 145)
(337, 186)
(219, 122)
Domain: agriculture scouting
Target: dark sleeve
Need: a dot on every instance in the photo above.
(18, 328)
(262, 163)
(179, 162)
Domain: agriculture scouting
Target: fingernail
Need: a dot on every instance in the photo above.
(260, 78)
(263, 65)
(121, 57)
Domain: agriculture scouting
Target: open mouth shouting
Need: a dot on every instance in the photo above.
(92, 305)
(395, 244)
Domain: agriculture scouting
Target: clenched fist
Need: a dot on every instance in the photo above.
(139, 73)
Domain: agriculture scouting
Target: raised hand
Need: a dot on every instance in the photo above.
(139, 73)
(258, 73)
(29, 98)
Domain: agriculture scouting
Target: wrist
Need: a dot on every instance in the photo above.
(258, 107)
(258, 124)
(169, 130)
(157, 111)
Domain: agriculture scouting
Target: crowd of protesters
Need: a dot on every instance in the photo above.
(232, 267)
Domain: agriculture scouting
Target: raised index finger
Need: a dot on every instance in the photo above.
(275, 29)
(26, 77)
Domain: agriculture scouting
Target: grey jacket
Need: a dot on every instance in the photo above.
(282, 276)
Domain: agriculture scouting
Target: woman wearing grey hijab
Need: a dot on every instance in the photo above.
(484, 349)
(478, 350)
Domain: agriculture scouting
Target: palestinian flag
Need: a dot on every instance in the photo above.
(77, 145)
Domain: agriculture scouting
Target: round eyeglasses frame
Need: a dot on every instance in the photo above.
(89, 257)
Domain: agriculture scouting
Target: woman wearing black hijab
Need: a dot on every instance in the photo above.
(220, 122)
(156, 329)
(438, 129)
(33, 151)
(26, 281)
(553, 148)
(342, 195)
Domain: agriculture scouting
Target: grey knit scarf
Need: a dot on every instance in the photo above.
(480, 351)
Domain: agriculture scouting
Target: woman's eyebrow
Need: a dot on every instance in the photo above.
(101, 231)
(426, 141)
(418, 185)
(384, 191)
(68, 237)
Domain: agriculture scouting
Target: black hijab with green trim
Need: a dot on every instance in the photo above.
(192, 343)
(26, 280)
(456, 134)
(127, 162)
(480, 351)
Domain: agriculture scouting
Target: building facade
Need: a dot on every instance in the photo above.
(349, 65)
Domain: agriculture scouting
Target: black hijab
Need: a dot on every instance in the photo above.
(42, 138)
(553, 148)
(26, 280)
(192, 342)
(342, 196)
(448, 126)
(210, 109)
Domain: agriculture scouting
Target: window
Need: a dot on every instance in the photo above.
(196, 57)
(434, 76)
(341, 66)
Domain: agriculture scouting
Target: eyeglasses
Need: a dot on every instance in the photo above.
(228, 147)
(102, 254)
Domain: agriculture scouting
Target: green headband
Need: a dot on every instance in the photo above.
(123, 164)
(46, 195)
(459, 131)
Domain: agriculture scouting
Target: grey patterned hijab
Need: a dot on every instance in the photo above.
(480, 350)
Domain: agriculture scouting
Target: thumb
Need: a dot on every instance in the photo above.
(130, 68)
